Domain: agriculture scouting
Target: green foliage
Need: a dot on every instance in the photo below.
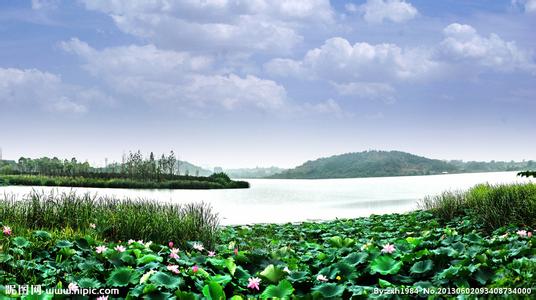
(288, 258)
(501, 205)
(492, 205)
(114, 219)
(390, 163)
(527, 174)
(422, 266)
(272, 273)
(447, 205)
(122, 277)
(166, 280)
(368, 164)
(113, 182)
(329, 291)
(282, 291)
(213, 291)
(385, 265)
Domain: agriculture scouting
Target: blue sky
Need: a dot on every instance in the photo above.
(261, 83)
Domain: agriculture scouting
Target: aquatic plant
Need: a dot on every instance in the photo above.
(111, 218)
(337, 259)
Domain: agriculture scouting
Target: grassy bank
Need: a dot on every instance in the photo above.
(112, 218)
(491, 205)
(337, 259)
(218, 181)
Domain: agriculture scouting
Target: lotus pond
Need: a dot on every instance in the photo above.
(337, 259)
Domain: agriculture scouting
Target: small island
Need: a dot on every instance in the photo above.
(134, 172)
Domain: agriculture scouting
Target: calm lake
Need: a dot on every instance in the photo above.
(282, 200)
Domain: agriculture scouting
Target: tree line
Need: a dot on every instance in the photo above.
(133, 165)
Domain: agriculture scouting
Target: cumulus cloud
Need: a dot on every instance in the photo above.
(361, 70)
(177, 78)
(376, 11)
(243, 25)
(31, 86)
(463, 44)
(528, 6)
(371, 71)
(338, 60)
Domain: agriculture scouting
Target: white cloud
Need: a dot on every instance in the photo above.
(350, 7)
(361, 70)
(398, 11)
(528, 6)
(367, 90)
(31, 86)
(370, 71)
(232, 91)
(339, 61)
(44, 4)
(328, 107)
(285, 67)
(463, 44)
(243, 25)
(177, 78)
(143, 61)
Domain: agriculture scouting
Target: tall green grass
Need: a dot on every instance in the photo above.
(115, 219)
(446, 205)
(493, 205)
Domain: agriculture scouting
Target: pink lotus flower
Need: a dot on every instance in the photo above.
(321, 277)
(170, 244)
(7, 230)
(198, 246)
(131, 241)
(102, 298)
(101, 249)
(73, 287)
(195, 269)
(388, 248)
(120, 248)
(236, 251)
(92, 225)
(529, 234)
(211, 253)
(173, 269)
(174, 253)
(253, 283)
(522, 233)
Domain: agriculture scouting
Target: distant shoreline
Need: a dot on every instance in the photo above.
(64, 181)
(416, 175)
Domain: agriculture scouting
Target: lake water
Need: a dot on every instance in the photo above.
(284, 200)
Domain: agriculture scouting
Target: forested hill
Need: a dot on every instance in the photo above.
(389, 163)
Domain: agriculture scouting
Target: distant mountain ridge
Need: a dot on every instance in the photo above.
(187, 168)
(251, 173)
(389, 163)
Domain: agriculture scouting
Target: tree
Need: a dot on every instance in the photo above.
(172, 161)
(527, 174)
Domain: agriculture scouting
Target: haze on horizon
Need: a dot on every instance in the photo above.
(267, 83)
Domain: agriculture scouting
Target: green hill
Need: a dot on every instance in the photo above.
(368, 164)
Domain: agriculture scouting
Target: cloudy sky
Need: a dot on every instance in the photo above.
(249, 83)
